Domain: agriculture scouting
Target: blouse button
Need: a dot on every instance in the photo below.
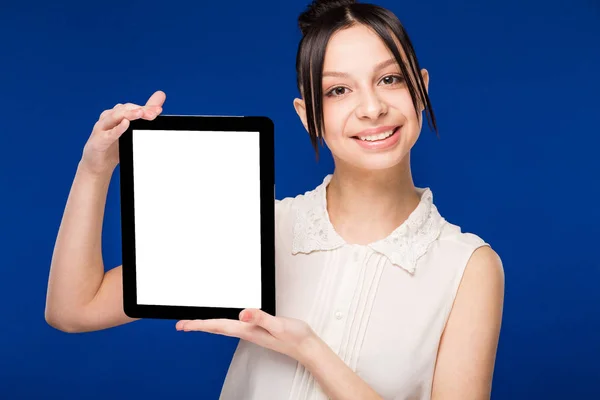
(339, 315)
(356, 256)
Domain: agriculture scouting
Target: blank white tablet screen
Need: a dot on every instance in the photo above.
(197, 218)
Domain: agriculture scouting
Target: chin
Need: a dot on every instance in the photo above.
(375, 162)
(380, 164)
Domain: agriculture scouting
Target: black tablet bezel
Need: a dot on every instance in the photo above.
(260, 124)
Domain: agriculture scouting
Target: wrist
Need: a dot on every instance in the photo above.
(95, 173)
(310, 350)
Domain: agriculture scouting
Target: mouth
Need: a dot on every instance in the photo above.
(378, 137)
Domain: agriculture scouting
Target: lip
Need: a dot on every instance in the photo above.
(376, 131)
(381, 145)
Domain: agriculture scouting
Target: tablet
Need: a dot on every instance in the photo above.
(197, 216)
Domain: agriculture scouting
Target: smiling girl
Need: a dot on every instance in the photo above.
(378, 295)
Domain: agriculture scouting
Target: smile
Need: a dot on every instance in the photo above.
(378, 139)
(381, 136)
(378, 136)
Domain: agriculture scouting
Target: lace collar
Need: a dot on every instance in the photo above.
(313, 230)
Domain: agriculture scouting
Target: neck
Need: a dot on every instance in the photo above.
(366, 206)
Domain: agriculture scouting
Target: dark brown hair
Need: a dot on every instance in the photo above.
(319, 22)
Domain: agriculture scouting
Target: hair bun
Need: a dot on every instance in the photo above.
(316, 9)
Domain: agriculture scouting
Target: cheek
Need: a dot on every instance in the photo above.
(403, 103)
(334, 117)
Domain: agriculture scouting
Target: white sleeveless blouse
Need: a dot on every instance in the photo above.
(381, 307)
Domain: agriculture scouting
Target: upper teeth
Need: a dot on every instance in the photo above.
(381, 136)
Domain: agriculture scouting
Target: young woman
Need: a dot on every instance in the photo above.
(379, 297)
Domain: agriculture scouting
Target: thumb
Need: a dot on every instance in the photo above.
(157, 99)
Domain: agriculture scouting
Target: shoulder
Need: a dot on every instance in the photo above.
(287, 206)
(479, 265)
(483, 277)
(481, 281)
(454, 235)
(291, 204)
(470, 338)
(290, 209)
(284, 205)
(482, 254)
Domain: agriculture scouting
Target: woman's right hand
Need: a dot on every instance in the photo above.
(101, 152)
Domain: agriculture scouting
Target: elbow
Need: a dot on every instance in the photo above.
(61, 322)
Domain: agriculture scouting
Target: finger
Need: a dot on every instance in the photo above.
(106, 125)
(232, 328)
(179, 324)
(129, 112)
(114, 133)
(106, 112)
(149, 111)
(262, 319)
(157, 99)
(114, 118)
(226, 327)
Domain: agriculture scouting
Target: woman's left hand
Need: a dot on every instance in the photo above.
(288, 336)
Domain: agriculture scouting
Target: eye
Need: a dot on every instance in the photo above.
(392, 79)
(336, 92)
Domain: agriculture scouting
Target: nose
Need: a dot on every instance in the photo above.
(371, 106)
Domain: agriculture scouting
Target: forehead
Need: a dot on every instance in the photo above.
(355, 48)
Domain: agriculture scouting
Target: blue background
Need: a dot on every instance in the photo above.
(515, 87)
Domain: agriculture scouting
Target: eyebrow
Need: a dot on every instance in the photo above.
(378, 67)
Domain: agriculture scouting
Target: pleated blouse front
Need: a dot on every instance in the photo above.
(381, 307)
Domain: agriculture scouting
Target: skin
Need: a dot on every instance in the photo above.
(82, 298)
(367, 98)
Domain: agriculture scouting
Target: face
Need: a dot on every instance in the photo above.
(369, 118)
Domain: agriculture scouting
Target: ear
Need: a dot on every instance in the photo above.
(300, 107)
(425, 75)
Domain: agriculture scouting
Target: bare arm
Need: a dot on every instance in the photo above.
(81, 297)
(467, 352)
